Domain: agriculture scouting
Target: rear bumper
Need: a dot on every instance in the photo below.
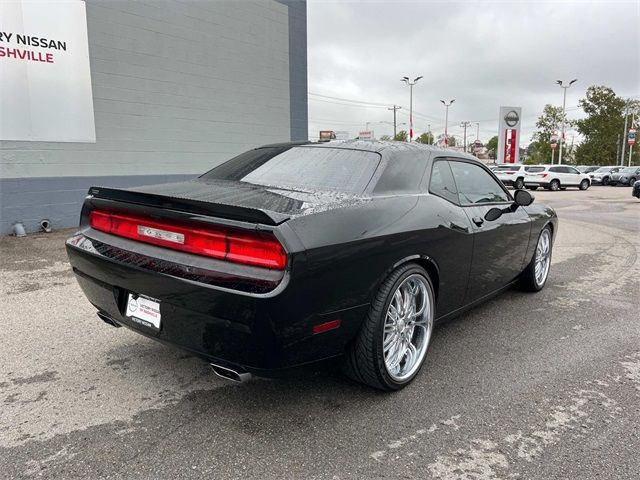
(536, 183)
(258, 332)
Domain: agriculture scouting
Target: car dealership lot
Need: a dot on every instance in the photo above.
(540, 385)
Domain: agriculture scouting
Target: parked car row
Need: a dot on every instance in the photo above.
(551, 177)
(559, 177)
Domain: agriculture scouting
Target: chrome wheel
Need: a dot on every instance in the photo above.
(543, 257)
(407, 327)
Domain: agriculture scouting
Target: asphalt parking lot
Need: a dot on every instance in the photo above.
(526, 386)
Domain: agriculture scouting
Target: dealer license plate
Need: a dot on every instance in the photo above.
(144, 310)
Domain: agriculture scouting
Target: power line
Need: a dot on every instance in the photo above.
(350, 100)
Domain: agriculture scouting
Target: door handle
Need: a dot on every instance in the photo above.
(478, 221)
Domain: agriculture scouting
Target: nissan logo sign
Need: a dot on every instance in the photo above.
(511, 118)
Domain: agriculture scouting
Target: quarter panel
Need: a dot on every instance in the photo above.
(350, 251)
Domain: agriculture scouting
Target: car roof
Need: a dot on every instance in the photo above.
(377, 146)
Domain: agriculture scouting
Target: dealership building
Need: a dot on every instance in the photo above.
(124, 93)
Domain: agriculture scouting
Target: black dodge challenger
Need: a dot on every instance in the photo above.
(299, 252)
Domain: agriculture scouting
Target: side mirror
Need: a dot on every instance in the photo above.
(493, 214)
(523, 198)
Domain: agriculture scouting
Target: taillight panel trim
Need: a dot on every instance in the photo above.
(242, 246)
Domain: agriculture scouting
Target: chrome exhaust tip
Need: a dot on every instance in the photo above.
(108, 320)
(238, 376)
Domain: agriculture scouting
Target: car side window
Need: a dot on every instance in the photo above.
(572, 170)
(475, 185)
(555, 169)
(441, 182)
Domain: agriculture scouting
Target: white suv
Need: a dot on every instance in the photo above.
(511, 174)
(555, 177)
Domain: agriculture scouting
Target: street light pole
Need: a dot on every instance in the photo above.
(446, 121)
(411, 84)
(395, 109)
(624, 132)
(564, 103)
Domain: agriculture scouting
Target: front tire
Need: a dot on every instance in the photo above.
(605, 181)
(554, 185)
(534, 277)
(584, 184)
(393, 340)
(632, 180)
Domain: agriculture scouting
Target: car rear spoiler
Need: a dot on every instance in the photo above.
(232, 212)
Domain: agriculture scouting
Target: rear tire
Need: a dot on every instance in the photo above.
(385, 332)
(534, 277)
(605, 181)
(554, 185)
(632, 180)
(584, 184)
(519, 185)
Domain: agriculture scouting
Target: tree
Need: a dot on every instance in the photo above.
(548, 123)
(492, 147)
(426, 138)
(603, 124)
(401, 136)
(452, 140)
(385, 138)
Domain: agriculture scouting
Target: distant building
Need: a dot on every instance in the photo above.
(178, 87)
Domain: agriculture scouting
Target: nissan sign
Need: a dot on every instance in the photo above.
(511, 118)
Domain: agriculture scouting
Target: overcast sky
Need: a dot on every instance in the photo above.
(482, 54)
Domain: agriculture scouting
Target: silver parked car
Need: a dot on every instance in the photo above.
(603, 174)
(626, 176)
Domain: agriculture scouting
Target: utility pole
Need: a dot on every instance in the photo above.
(411, 84)
(618, 147)
(430, 135)
(564, 103)
(464, 142)
(624, 133)
(478, 131)
(395, 109)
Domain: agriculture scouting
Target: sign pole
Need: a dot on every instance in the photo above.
(631, 139)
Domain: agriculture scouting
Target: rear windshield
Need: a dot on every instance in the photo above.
(301, 168)
(603, 169)
(535, 169)
(503, 168)
(629, 170)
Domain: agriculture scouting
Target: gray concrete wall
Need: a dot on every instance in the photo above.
(178, 88)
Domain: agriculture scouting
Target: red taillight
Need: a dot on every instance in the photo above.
(543, 175)
(216, 242)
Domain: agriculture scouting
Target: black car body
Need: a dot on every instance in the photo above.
(339, 243)
(636, 189)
